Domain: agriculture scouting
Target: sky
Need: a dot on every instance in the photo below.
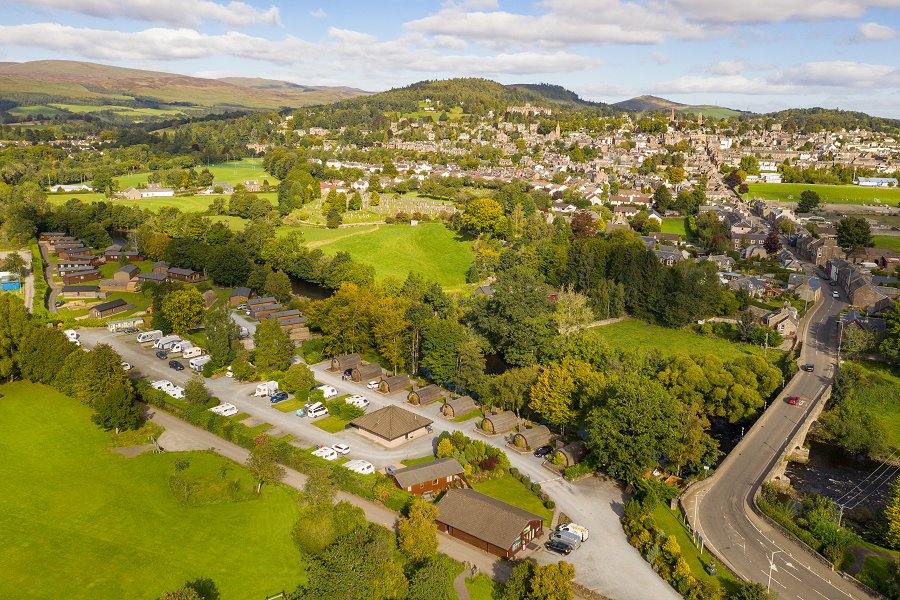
(758, 55)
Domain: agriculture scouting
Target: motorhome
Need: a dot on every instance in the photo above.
(198, 363)
(316, 410)
(266, 388)
(166, 343)
(149, 336)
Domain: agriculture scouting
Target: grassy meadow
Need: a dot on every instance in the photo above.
(634, 334)
(891, 242)
(83, 522)
(830, 194)
(237, 171)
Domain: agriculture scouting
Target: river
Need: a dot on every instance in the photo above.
(313, 291)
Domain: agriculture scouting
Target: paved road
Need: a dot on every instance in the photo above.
(721, 507)
(606, 563)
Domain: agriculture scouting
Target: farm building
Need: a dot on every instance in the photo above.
(500, 423)
(345, 361)
(108, 309)
(458, 407)
(425, 395)
(533, 438)
(396, 383)
(365, 373)
(430, 478)
(239, 296)
(391, 426)
(487, 523)
(572, 453)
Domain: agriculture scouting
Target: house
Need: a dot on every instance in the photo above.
(81, 276)
(563, 207)
(853, 318)
(751, 252)
(257, 303)
(652, 215)
(458, 407)
(161, 267)
(533, 438)
(789, 262)
(154, 277)
(396, 383)
(219, 188)
(78, 252)
(806, 287)
(156, 190)
(784, 321)
(184, 275)
(391, 426)
(425, 395)
(668, 255)
(83, 291)
(265, 311)
(754, 287)
(484, 290)
(746, 240)
(500, 422)
(366, 373)
(345, 361)
(431, 478)
(108, 309)
(723, 262)
(626, 211)
(489, 524)
(818, 250)
(252, 185)
(126, 274)
(239, 296)
(115, 255)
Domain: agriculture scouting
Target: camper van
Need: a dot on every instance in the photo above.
(149, 336)
(166, 343)
(198, 363)
(181, 346)
(316, 410)
(226, 409)
(266, 388)
(193, 352)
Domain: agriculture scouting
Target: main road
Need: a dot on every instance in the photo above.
(721, 509)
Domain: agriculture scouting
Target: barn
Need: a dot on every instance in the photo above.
(425, 395)
(533, 438)
(345, 361)
(458, 407)
(500, 423)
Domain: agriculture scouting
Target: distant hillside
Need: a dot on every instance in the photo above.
(655, 103)
(78, 87)
(819, 119)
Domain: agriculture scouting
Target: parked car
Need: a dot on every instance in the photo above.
(130, 330)
(390, 469)
(278, 397)
(794, 400)
(341, 448)
(559, 547)
(543, 451)
(325, 452)
(241, 307)
(126, 366)
(832, 283)
(372, 384)
(59, 303)
(834, 294)
(567, 537)
(162, 354)
(348, 372)
(174, 364)
(575, 528)
(808, 368)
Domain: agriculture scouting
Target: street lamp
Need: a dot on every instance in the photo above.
(772, 568)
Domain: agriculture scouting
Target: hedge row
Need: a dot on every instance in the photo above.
(41, 288)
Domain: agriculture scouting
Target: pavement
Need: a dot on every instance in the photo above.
(721, 508)
(606, 563)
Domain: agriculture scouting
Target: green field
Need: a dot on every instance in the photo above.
(891, 242)
(430, 249)
(237, 171)
(82, 522)
(677, 225)
(883, 399)
(129, 111)
(30, 111)
(193, 203)
(510, 490)
(634, 334)
(830, 194)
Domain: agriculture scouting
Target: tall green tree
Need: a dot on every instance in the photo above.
(117, 410)
(854, 233)
(441, 340)
(184, 309)
(263, 462)
(809, 201)
(221, 335)
(551, 395)
(417, 532)
(229, 264)
(274, 349)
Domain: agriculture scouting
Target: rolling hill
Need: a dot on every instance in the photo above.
(655, 103)
(64, 84)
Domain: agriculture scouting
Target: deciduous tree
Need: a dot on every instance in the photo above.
(183, 309)
(263, 463)
(551, 395)
(417, 532)
(274, 349)
(853, 233)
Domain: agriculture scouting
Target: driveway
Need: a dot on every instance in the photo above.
(606, 563)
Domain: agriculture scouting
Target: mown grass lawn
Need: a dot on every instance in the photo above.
(331, 423)
(430, 249)
(482, 587)
(887, 241)
(233, 172)
(418, 461)
(677, 225)
(830, 194)
(109, 269)
(632, 334)
(190, 203)
(289, 405)
(80, 521)
(510, 490)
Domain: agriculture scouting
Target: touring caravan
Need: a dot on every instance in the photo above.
(149, 336)
(181, 347)
(198, 363)
(266, 388)
(192, 352)
(166, 343)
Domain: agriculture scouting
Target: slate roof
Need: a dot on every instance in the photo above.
(442, 467)
(483, 517)
(391, 422)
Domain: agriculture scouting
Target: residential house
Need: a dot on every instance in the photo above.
(83, 291)
(431, 478)
(184, 275)
(81, 276)
(252, 185)
(723, 262)
(754, 287)
(627, 211)
(154, 277)
(391, 426)
(239, 295)
(668, 255)
(805, 287)
(161, 267)
(671, 238)
(784, 320)
(818, 250)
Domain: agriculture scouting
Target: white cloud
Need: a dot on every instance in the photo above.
(727, 84)
(319, 13)
(661, 58)
(171, 12)
(843, 74)
(727, 67)
(775, 11)
(875, 32)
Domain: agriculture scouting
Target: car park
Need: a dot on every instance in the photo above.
(559, 547)
(325, 452)
(341, 448)
(363, 467)
(278, 397)
(543, 451)
(162, 354)
(808, 368)
(126, 366)
(174, 364)
(576, 529)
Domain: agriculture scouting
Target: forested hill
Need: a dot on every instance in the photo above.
(819, 119)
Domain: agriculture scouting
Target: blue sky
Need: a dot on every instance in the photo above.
(756, 55)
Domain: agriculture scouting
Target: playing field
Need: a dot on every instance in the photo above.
(430, 249)
(237, 171)
(887, 241)
(632, 334)
(830, 194)
(80, 521)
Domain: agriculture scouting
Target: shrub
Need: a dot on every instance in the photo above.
(514, 472)
(549, 504)
(536, 488)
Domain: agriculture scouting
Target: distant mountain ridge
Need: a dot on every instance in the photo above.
(655, 103)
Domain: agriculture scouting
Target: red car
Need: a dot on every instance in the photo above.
(792, 399)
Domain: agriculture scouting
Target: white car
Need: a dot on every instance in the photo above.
(126, 366)
(325, 452)
(229, 372)
(372, 384)
(341, 448)
(363, 467)
(162, 384)
(834, 294)
(241, 307)
(358, 401)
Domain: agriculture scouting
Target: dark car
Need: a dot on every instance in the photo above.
(832, 283)
(162, 354)
(278, 397)
(130, 330)
(559, 547)
(174, 364)
(543, 451)
(808, 368)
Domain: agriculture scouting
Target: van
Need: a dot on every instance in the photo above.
(193, 352)
(198, 363)
(71, 334)
(266, 388)
(573, 539)
(181, 346)
(149, 336)
(316, 410)
(576, 529)
(166, 343)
